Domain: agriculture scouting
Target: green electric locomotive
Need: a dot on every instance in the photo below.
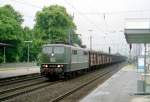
(61, 60)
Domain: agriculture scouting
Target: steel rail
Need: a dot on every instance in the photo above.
(8, 94)
(79, 87)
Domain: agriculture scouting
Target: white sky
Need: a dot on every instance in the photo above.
(89, 14)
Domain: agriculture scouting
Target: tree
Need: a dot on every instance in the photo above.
(54, 24)
(8, 11)
(11, 31)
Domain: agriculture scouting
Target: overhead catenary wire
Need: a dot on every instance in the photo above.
(35, 6)
(27, 4)
(84, 13)
(104, 14)
(87, 13)
(84, 16)
(113, 12)
(87, 19)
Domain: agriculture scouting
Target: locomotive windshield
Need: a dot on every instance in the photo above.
(47, 49)
(59, 50)
(56, 50)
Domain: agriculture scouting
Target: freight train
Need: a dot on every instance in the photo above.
(60, 60)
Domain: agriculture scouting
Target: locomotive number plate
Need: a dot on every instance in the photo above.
(52, 60)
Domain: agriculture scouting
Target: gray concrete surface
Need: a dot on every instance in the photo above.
(16, 69)
(121, 87)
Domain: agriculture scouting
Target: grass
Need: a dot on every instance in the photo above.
(5, 69)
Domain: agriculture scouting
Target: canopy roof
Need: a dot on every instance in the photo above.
(137, 35)
(4, 45)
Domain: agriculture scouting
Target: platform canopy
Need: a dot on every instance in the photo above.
(137, 35)
(137, 31)
(4, 45)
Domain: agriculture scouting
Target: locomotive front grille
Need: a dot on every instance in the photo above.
(52, 65)
(51, 68)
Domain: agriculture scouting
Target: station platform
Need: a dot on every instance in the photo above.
(17, 69)
(121, 87)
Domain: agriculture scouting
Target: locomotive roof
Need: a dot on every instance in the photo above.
(64, 45)
(57, 45)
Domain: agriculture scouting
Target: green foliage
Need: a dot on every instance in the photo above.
(54, 23)
(27, 34)
(11, 31)
(8, 11)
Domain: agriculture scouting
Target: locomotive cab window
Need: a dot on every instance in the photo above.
(47, 49)
(85, 53)
(58, 50)
(74, 52)
(50, 49)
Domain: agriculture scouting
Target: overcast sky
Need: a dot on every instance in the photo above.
(107, 18)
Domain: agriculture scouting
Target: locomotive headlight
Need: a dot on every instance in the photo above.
(58, 66)
(52, 54)
(46, 65)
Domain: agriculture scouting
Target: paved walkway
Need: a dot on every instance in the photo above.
(16, 69)
(119, 88)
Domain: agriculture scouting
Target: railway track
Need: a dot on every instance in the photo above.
(60, 91)
(19, 90)
(17, 79)
(68, 93)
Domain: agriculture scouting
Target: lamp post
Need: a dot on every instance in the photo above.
(4, 55)
(90, 30)
(70, 39)
(28, 60)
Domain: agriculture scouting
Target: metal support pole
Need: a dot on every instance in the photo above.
(4, 57)
(130, 56)
(28, 60)
(109, 50)
(69, 37)
(90, 30)
(28, 53)
(130, 59)
(90, 43)
(145, 69)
